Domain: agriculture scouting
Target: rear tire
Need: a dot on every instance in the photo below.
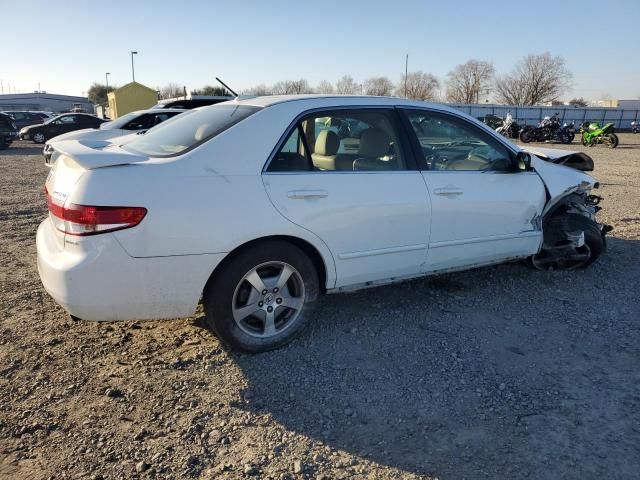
(525, 136)
(262, 297)
(613, 140)
(594, 242)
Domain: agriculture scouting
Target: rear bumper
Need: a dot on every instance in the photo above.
(93, 278)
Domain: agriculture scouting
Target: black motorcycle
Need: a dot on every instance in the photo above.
(571, 128)
(548, 130)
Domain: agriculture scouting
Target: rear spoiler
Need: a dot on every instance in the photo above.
(92, 154)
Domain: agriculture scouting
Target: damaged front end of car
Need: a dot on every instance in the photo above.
(572, 236)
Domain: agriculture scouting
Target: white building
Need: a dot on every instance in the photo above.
(42, 101)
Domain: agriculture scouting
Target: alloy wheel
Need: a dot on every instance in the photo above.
(268, 299)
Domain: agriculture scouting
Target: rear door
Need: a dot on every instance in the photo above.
(483, 209)
(356, 189)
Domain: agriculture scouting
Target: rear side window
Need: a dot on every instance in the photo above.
(188, 131)
(342, 140)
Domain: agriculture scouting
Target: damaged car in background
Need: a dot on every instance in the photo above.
(257, 206)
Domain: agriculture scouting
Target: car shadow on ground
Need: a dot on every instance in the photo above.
(470, 374)
(22, 148)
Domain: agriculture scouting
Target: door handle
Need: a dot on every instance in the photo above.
(448, 191)
(302, 194)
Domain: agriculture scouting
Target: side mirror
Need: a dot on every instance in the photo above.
(523, 161)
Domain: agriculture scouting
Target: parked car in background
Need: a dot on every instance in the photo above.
(250, 206)
(25, 119)
(55, 126)
(193, 102)
(45, 115)
(139, 121)
(8, 131)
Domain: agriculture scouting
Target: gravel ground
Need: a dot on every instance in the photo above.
(501, 372)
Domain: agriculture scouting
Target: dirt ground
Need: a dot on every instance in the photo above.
(501, 372)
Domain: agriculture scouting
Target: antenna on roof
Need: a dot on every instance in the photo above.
(227, 87)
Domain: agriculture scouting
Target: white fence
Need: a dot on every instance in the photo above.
(620, 117)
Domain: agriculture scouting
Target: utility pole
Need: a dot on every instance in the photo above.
(106, 81)
(2, 86)
(133, 71)
(406, 70)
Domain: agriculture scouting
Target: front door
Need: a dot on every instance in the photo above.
(345, 176)
(483, 209)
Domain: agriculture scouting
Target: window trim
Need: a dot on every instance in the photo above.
(485, 136)
(391, 111)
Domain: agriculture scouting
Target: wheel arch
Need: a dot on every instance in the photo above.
(307, 247)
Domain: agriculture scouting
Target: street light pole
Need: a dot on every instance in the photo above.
(106, 81)
(133, 71)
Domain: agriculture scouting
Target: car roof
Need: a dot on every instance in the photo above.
(320, 101)
(160, 110)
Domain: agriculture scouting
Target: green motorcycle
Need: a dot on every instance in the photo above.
(594, 134)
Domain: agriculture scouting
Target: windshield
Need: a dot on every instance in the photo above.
(53, 119)
(185, 132)
(120, 122)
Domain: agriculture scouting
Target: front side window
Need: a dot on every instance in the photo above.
(341, 140)
(451, 143)
(188, 131)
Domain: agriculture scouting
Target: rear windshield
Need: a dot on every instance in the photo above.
(188, 131)
(120, 121)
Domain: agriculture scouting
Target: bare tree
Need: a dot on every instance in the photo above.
(291, 87)
(259, 90)
(468, 82)
(536, 79)
(419, 86)
(211, 90)
(578, 102)
(346, 86)
(171, 90)
(380, 86)
(325, 87)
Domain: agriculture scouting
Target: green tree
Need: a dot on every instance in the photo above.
(97, 93)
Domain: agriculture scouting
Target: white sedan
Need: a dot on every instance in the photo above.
(259, 205)
(138, 122)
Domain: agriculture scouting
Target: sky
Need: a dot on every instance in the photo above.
(64, 46)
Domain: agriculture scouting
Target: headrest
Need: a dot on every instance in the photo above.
(203, 131)
(374, 143)
(327, 143)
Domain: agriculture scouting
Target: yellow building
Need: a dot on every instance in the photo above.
(129, 98)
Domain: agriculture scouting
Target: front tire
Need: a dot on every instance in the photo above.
(261, 298)
(572, 259)
(39, 137)
(612, 140)
(525, 136)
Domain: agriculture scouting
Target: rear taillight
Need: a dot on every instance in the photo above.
(90, 220)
